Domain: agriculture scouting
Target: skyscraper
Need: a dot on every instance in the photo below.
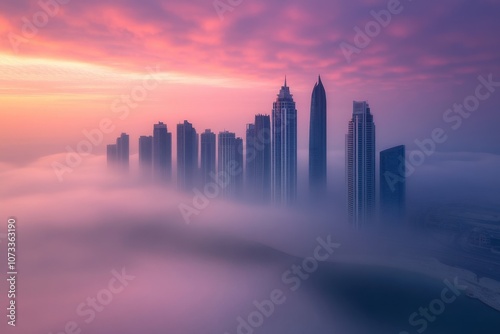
(123, 152)
(250, 153)
(196, 157)
(146, 156)
(263, 157)
(229, 168)
(208, 154)
(392, 185)
(258, 159)
(187, 156)
(317, 142)
(162, 153)
(360, 166)
(239, 177)
(284, 148)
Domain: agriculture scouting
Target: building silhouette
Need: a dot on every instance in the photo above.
(258, 160)
(162, 153)
(123, 152)
(318, 142)
(187, 156)
(229, 168)
(208, 155)
(239, 177)
(360, 166)
(250, 155)
(117, 155)
(284, 148)
(392, 185)
(263, 157)
(146, 157)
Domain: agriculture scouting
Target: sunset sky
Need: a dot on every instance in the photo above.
(218, 71)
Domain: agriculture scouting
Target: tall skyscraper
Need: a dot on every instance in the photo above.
(187, 156)
(239, 177)
(196, 157)
(229, 168)
(162, 153)
(263, 157)
(392, 185)
(258, 159)
(250, 153)
(317, 142)
(208, 154)
(360, 166)
(146, 157)
(284, 148)
(123, 152)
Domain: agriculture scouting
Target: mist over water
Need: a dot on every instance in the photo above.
(202, 277)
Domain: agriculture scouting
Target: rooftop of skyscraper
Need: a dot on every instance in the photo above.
(284, 93)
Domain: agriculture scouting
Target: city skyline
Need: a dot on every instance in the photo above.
(246, 167)
(322, 166)
(391, 73)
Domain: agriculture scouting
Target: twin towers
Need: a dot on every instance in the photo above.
(271, 149)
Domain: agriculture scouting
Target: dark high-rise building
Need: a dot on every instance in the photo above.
(392, 185)
(263, 157)
(317, 142)
(146, 156)
(250, 153)
(360, 166)
(208, 154)
(229, 168)
(187, 156)
(112, 156)
(284, 148)
(123, 152)
(196, 157)
(162, 153)
(258, 159)
(239, 177)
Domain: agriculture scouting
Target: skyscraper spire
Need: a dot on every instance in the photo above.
(284, 148)
(318, 142)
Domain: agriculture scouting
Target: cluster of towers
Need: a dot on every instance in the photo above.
(264, 167)
(265, 170)
(118, 154)
(361, 170)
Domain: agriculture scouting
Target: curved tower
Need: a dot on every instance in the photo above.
(317, 141)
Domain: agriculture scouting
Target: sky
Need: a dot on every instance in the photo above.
(61, 72)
